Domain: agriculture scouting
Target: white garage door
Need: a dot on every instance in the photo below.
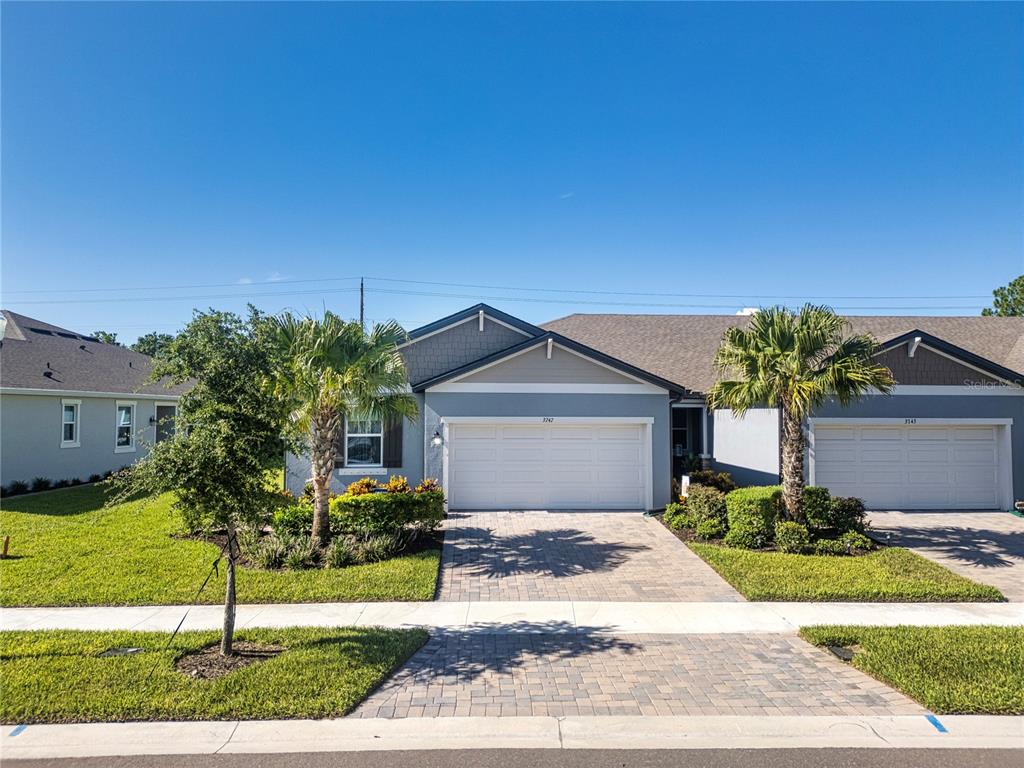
(909, 467)
(547, 466)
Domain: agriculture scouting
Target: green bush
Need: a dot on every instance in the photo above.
(342, 551)
(791, 537)
(677, 516)
(849, 543)
(94, 478)
(720, 480)
(268, 553)
(706, 503)
(816, 503)
(17, 488)
(386, 513)
(752, 514)
(40, 484)
(847, 514)
(379, 547)
(712, 528)
(829, 547)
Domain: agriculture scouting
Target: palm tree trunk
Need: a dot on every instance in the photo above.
(792, 463)
(228, 636)
(323, 433)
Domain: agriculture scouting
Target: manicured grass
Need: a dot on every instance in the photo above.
(57, 677)
(68, 550)
(889, 575)
(949, 670)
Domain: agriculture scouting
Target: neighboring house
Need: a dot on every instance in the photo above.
(71, 406)
(604, 411)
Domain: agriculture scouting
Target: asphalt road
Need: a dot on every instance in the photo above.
(553, 758)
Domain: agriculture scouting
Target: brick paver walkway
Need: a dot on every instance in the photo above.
(619, 556)
(983, 546)
(467, 674)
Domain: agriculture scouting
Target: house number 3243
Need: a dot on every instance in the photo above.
(910, 421)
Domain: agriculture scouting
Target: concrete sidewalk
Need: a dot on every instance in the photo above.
(347, 734)
(527, 616)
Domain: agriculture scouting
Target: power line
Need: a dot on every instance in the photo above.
(528, 289)
(204, 297)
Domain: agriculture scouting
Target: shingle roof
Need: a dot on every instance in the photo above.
(681, 348)
(38, 355)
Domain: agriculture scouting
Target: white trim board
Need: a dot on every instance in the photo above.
(905, 421)
(455, 324)
(991, 390)
(85, 393)
(552, 388)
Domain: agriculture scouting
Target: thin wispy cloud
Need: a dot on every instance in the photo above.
(275, 277)
(566, 195)
(244, 280)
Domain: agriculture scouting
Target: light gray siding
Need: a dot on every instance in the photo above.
(748, 447)
(945, 407)
(30, 436)
(534, 367)
(448, 404)
(457, 346)
(297, 468)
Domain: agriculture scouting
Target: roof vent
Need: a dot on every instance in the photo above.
(48, 374)
(67, 335)
(42, 331)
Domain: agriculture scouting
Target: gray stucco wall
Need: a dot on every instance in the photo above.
(30, 437)
(297, 469)
(445, 404)
(457, 346)
(945, 407)
(747, 447)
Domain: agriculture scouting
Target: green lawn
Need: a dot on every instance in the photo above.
(57, 677)
(68, 550)
(888, 575)
(949, 670)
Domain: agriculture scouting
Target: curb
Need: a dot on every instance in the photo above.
(455, 733)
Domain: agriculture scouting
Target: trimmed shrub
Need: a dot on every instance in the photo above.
(386, 513)
(295, 521)
(816, 503)
(721, 480)
(361, 487)
(677, 516)
(752, 513)
(16, 488)
(854, 541)
(428, 485)
(847, 514)
(791, 537)
(40, 484)
(706, 503)
(829, 547)
(712, 528)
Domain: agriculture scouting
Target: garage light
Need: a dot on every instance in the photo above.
(436, 439)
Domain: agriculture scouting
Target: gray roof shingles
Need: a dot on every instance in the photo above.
(681, 348)
(75, 361)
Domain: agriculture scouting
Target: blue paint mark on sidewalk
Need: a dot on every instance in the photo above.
(935, 721)
(17, 730)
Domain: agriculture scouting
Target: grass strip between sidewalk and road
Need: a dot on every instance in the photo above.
(888, 575)
(949, 670)
(58, 677)
(67, 549)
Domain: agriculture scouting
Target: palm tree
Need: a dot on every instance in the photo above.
(795, 361)
(332, 369)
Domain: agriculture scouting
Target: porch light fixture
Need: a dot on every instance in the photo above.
(436, 439)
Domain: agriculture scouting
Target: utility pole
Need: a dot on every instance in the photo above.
(362, 308)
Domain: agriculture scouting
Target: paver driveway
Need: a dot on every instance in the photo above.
(620, 556)
(586, 673)
(984, 546)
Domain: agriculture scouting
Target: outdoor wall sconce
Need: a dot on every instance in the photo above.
(436, 439)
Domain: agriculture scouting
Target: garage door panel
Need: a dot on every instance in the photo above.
(551, 466)
(910, 467)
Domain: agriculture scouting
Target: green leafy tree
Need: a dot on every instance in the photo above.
(1008, 301)
(153, 344)
(106, 337)
(332, 369)
(794, 361)
(216, 464)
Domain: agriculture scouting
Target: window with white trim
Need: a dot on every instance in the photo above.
(364, 443)
(69, 419)
(124, 440)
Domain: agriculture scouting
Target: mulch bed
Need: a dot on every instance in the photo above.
(208, 664)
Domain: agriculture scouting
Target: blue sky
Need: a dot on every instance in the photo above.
(745, 151)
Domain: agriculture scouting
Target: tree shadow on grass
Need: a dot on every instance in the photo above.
(559, 553)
